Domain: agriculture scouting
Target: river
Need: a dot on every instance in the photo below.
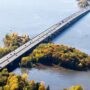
(34, 16)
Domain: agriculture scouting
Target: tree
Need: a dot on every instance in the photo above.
(83, 3)
(77, 87)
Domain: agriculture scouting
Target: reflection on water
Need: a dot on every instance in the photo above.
(58, 79)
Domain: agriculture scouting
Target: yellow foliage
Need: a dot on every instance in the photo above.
(25, 59)
(6, 87)
(77, 87)
(42, 86)
(14, 86)
(32, 82)
(24, 76)
(13, 82)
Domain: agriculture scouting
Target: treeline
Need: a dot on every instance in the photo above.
(11, 42)
(10, 81)
(49, 54)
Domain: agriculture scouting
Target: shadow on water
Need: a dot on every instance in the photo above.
(67, 27)
(13, 65)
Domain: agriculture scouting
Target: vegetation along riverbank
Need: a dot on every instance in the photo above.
(11, 81)
(52, 54)
(11, 42)
(45, 54)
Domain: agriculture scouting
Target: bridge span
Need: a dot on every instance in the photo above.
(7, 59)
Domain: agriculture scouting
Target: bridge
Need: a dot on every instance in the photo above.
(45, 35)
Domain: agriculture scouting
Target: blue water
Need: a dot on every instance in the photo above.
(77, 36)
(58, 79)
(34, 16)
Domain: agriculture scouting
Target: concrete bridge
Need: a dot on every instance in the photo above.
(43, 36)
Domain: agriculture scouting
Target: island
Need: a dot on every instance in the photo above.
(52, 54)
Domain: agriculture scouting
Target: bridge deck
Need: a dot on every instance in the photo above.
(39, 38)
